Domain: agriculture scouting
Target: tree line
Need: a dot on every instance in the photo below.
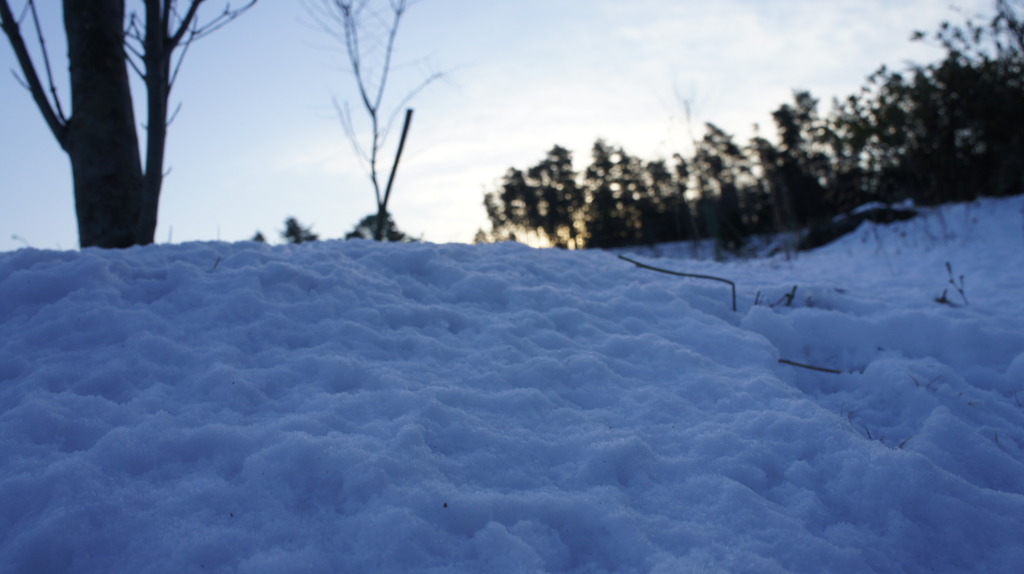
(952, 130)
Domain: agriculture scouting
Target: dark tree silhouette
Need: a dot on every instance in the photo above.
(559, 199)
(617, 200)
(724, 179)
(295, 232)
(948, 131)
(116, 199)
(798, 168)
(513, 209)
(368, 228)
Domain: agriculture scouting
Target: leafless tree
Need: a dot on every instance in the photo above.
(116, 200)
(368, 31)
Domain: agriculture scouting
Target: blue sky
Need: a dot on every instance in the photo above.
(257, 138)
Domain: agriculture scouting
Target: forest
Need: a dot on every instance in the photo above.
(942, 132)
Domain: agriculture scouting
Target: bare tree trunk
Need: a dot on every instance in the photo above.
(116, 202)
(167, 28)
(157, 60)
(101, 140)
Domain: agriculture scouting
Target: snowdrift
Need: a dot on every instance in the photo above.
(358, 407)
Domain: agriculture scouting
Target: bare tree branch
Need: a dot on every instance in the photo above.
(347, 19)
(132, 53)
(21, 81)
(46, 61)
(187, 29)
(53, 116)
(201, 31)
(177, 65)
(190, 30)
(186, 22)
(399, 108)
(164, 39)
(174, 114)
(345, 116)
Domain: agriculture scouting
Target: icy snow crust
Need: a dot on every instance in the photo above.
(357, 407)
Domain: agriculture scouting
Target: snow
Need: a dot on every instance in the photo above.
(359, 407)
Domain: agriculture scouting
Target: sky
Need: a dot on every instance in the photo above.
(257, 136)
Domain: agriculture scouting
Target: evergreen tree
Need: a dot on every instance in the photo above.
(512, 209)
(294, 232)
(724, 180)
(607, 220)
(947, 131)
(367, 228)
(559, 200)
(800, 166)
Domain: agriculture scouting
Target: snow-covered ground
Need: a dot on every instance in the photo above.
(357, 407)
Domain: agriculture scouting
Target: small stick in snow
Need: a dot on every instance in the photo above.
(943, 299)
(681, 274)
(960, 287)
(788, 298)
(811, 367)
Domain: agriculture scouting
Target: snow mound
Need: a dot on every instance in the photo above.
(358, 407)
